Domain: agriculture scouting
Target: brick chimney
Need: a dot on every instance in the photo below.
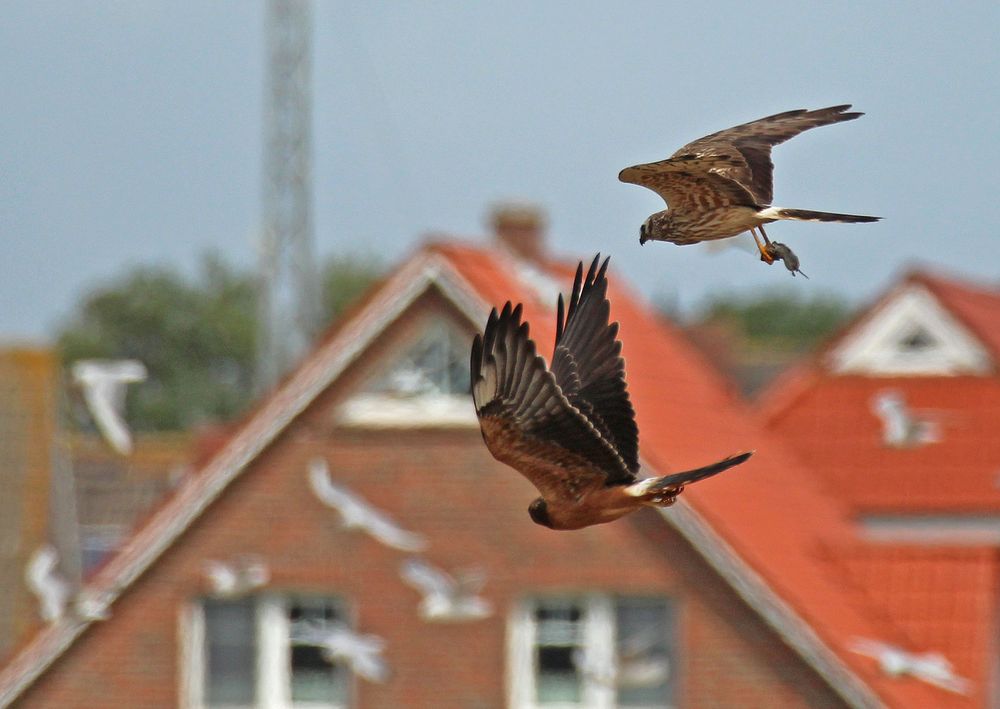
(520, 227)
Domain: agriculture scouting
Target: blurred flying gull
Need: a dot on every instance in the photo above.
(635, 667)
(930, 667)
(103, 383)
(51, 589)
(338, 643)
(447, 597)
(901, 427)
(91, 606)
(356, 513)
(236, 577)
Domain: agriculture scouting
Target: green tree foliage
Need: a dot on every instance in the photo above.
(782, 320)
(197, 337)
(344, 279)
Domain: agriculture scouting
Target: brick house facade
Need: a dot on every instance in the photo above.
(728, 598)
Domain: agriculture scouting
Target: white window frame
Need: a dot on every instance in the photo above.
(273, 657)
(599, 639)
(387, 409)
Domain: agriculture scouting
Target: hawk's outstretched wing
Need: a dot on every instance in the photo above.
(753, 142)
(692, 182)
(742, 154)
(588, 365)
(527, 421)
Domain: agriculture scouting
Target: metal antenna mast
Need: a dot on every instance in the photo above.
(288, 310)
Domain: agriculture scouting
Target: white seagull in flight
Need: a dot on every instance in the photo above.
(103, 383)
(51, 589)
(356, 513)
(930, 667)
(240, 575)
(362, 653)
(447, 597)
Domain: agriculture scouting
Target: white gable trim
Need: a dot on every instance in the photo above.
(373, 411)
(307, 382)
(874, 347)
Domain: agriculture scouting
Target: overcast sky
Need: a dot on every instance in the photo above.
(131, 133)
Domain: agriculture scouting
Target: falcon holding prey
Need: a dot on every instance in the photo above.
(570, 428)
(720, 185)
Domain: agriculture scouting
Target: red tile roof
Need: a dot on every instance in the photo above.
(831, 426)
(944, 599)
(977, 306)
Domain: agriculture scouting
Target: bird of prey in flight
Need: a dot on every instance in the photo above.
(569, 428)
(720, 185)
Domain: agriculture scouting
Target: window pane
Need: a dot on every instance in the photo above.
(437, 364)
(230, 656)
(559, 635)
(917, 340)
(314, 677)
(644, 640)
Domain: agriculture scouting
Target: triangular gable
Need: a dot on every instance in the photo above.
(262, 427)
(745, 558)
(911, 333)
(426, 384)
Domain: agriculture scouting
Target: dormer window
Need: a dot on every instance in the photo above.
(911, 335)
(427, 385)
(917, 340)
(438, 364)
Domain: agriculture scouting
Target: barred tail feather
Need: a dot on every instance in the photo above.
(667, 485)
(808, 215)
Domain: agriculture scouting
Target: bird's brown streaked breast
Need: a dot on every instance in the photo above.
(556, 471)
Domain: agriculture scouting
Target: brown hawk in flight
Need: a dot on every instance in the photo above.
(720, 185)
(569, 428)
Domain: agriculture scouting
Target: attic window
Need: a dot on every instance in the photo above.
(428, 384)
(437, 364)
(918, 340)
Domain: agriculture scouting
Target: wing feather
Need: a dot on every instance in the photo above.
(693, 182)
(526, 419)
(588, 365)
(753, 142)
(741, 155)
